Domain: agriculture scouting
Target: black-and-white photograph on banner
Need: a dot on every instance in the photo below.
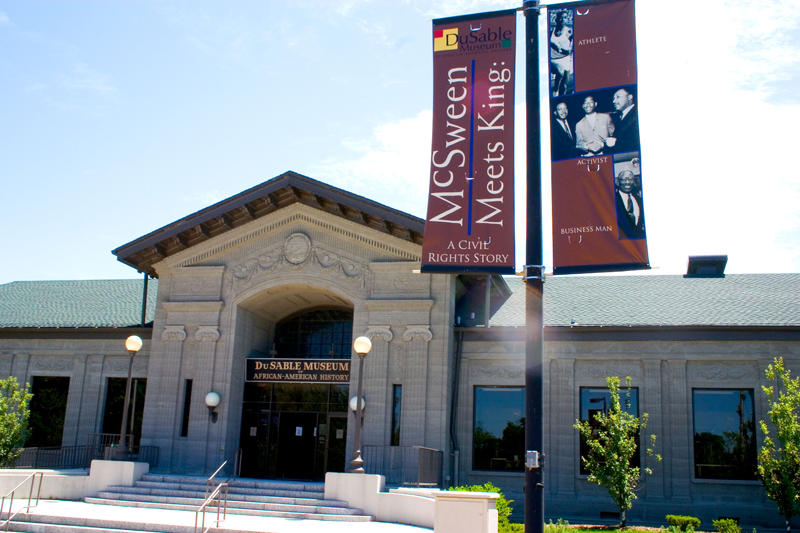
(628, 195)
(562, 78)
(603, 121)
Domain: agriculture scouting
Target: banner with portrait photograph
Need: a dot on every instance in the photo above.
(470, 221)
(598, 200)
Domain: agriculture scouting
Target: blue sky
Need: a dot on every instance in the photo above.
(117, 118)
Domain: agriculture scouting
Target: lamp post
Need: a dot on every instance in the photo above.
(362, 346)
(133, 344)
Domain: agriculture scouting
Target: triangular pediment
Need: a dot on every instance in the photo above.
(262, 200)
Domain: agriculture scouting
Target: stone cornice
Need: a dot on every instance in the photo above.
(398, 305)
(290, 215)
(193, 307)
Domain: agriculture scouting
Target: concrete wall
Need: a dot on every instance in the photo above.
(72, 484)
(665, 374)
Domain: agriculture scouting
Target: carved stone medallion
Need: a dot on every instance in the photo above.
(297, 248)
(401, 282)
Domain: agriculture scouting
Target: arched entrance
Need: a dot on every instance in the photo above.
(294, 410)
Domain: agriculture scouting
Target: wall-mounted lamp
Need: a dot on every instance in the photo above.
(212, 401)
(354, 404)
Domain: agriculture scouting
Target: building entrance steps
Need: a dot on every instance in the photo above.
(281, 499)
(59, 516)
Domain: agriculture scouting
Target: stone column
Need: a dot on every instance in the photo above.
(652, 402)
(19, 368)
(203, 453)
(415, 380)
(74, 402)
(6, 361)
(167, 374)
(88, 422)
(377, 388)
(565, 455)
(679, 461)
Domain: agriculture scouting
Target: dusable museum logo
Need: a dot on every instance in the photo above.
(445, 40)
(488, 39)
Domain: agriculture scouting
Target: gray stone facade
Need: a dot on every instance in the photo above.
(220, 299)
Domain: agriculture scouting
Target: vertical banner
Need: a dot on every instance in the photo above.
(597, 185)
(470, 222)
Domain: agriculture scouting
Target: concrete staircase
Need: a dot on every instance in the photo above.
(281, 499)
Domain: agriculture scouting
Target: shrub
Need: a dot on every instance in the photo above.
(676, 529)
(727, 525)
(562, 526)
(684, 523)
(503, 509)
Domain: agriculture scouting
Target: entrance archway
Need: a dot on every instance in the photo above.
(295, 429)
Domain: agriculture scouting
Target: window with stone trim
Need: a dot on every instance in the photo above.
(499, 429)
(595, 400)
(724, 434)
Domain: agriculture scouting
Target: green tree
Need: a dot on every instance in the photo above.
(14, 413)
(612, 443)
(779, 468)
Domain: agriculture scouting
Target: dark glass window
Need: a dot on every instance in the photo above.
(499, 434)
(321, 334)
(48, 408)
(397, 398)
(598, 400)
(187, 402)
(115, 401)
(724, 434)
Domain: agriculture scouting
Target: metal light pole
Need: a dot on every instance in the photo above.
(362, 346)
(534, 282)
(133, 344)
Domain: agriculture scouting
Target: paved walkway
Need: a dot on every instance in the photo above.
(233, 523)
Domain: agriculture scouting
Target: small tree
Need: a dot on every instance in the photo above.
(779, 469)
(14, 415)
(612, 444)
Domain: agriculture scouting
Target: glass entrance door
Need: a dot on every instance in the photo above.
(296, 445)
(293, 431)
(336, 443)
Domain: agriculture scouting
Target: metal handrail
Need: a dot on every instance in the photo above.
(237, 465)
(218, 494)
(32, 477)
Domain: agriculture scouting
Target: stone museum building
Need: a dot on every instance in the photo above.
(258, 298)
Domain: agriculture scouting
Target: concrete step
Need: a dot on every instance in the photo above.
(39, 523)
(251, 512)
(241, 482)
(289, 505)
(231, 490)
(133, 493)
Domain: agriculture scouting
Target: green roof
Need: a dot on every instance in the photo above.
(735, 300)
(113, 303)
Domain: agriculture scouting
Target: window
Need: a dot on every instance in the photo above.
(115, 402)
(397, 397)
(48, 408)
(499, 435)
(187, 402)
(598, 400)
(321, 334)
(724, 434)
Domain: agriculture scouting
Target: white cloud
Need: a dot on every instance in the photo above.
(4, 20)
(85, 79)
(390, 167)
